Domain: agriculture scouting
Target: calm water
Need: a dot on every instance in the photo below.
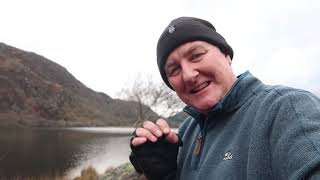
(35, 152)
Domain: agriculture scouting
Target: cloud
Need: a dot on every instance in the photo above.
(104, 43)
(297, 67)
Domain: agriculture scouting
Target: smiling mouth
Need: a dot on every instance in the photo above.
(199, 88)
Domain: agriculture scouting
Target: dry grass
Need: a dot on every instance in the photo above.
(123, 172)
(37, 178)
(88, 174)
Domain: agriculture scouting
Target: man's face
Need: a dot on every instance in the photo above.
(200, 74)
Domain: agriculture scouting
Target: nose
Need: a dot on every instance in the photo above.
(189, 73)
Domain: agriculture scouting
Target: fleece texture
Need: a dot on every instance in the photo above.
(256, 132)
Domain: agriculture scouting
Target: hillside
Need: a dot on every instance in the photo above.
(35, 91)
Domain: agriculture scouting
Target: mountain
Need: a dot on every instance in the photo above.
(35, 91)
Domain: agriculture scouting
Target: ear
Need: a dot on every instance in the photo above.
(229, 59)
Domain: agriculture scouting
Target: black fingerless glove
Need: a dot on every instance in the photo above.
(156, 160)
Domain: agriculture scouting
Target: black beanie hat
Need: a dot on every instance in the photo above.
(183, 30)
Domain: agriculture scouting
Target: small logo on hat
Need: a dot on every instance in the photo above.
(171, 29)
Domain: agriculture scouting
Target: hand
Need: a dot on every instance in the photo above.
(153, 131)
(154, 150)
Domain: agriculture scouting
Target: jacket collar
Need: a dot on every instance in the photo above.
(245, 87)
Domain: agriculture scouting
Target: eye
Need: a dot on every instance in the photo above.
(173, 70)
(196, 56)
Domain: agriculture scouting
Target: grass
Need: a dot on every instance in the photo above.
(88, 174)
(44, 177)
(123, 172)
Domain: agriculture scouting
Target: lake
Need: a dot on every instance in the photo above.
(36, 152)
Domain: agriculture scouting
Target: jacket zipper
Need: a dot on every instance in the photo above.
(197, 149)
(199, 144)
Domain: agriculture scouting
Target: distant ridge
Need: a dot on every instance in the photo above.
(35, 91)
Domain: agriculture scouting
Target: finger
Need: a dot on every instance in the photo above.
(153, 128)
(142, 132)
(172, 137)
(138, 141)
(164, 126)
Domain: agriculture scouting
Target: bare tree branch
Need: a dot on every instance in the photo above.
(147, 92)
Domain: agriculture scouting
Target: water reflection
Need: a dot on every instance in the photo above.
(35, 152)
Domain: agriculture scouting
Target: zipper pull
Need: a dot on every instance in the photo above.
(198, 145)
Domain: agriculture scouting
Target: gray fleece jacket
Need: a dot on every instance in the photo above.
(256, 132)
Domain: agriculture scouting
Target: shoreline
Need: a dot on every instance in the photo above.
(118, 130)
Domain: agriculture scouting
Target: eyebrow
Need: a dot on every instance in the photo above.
(193, 48)
(187, 53)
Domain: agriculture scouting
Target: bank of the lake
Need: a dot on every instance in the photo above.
(122, 172)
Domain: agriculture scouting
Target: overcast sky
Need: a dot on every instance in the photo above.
(104, 44)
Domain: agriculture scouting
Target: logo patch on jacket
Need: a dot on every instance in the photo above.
(227, 156)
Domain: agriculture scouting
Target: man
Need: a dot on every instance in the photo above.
(239, 128)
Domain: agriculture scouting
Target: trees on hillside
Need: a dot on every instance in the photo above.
(147, 92)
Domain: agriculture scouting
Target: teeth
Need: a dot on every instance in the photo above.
(203, 85)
